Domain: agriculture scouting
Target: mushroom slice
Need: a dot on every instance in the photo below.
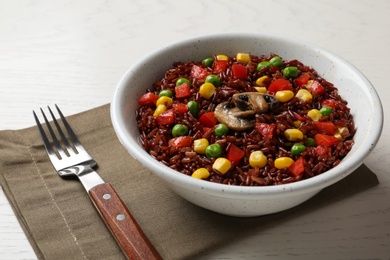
(258, 102)
(232, 117)
(272, 101)
(235, 111)
(239, 113)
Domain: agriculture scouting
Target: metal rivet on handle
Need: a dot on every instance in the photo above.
(120, 217)
(106, 196)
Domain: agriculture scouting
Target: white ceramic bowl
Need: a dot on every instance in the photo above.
(248, 201)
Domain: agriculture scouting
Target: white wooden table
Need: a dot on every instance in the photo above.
(73, 53)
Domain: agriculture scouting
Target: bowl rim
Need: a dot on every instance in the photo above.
(308, 185)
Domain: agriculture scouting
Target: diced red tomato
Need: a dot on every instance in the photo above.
(148, 99)
(328, 102)
(302, 80)
(180, 141)
(266, 130)
(199, 72)
(239, 71)
(320, 150)
(316, 87)
(280, 84)
(208, 119)
(325, 127)
(166, 118)
(297, 168)
(325, 140)
(183, 90)
(219, 66)
(234, 154)
(180, 108)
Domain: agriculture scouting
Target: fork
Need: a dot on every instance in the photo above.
(69, 157)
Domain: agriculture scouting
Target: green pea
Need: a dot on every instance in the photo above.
(181, 81)
(193, 107)
(276, 61)
(166, 93)
(214, 151)
(179, 130)
(213, 79)
(262, 65)
(208, 62)
(290, 72)
(326, 111)
(310, 142)
(220, 130)
(297, 149)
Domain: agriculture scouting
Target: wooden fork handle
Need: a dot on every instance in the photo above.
(123, 226)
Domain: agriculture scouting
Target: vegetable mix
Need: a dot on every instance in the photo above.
(245, 120)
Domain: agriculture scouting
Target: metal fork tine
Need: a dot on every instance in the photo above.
(61, 133)
(61, 151)
(72, 135)
(46, 141)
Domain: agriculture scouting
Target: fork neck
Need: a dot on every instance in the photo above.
(88, 177)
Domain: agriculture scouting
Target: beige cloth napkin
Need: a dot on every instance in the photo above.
(61, 223)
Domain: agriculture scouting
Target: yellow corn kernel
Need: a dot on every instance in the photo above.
(293, 134)
(222, 57)
(304, 95)
(164, 100)
(340, 131)
(283, 162)
(207, 90)
(222, 165)
(261, 89)
(243, 57)
(343, 130)
(257, 159)
(260, 81)
(284, 95)
(308, 84)
(314, 114)
(338, 135)
(297, 123)
(201, 173)
(200, 145)
(160, 109)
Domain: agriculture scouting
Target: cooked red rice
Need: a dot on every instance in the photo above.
(155, 137)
